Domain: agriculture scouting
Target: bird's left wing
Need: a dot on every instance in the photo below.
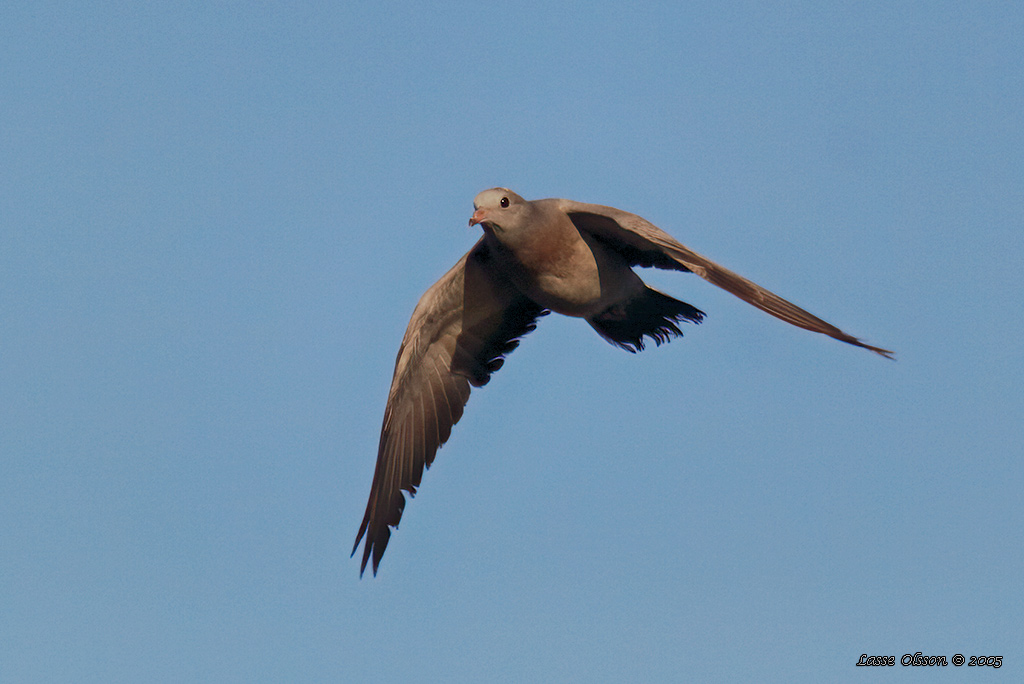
(459, 333)
(644, 244)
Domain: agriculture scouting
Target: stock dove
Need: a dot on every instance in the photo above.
(534, 257)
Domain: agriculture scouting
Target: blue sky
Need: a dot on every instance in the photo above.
(215, 220)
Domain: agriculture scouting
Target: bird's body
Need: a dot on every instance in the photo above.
(558, 267)
(534, 257)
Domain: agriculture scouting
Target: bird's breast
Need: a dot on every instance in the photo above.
(572, 274)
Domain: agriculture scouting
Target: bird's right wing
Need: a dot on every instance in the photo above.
(459, 333)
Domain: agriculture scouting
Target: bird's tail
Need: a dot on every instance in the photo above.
(648, 312)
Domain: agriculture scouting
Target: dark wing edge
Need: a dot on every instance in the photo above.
(458, 335)
(644, 244)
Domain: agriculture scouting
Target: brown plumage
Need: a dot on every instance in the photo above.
(534, 257)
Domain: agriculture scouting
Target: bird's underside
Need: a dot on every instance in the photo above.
(534, 257)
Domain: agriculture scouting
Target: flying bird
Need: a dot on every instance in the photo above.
(534, 257)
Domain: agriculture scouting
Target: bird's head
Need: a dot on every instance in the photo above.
(498, 210)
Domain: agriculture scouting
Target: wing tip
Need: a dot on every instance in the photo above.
(369, 548)
(891, 355)
(886, 353)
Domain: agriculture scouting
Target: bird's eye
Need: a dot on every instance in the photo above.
(504, 202)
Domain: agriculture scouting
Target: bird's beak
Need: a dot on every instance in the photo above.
(479, 216)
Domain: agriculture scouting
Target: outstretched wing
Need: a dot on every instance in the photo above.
(644, 244)
(458, 335)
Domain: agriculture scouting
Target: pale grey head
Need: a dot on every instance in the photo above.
(499, 210)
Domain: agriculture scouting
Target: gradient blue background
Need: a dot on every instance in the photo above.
(216, 218)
